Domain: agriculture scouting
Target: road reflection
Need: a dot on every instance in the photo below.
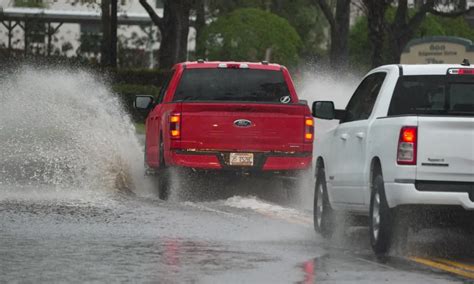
(450, 253)
(171, 254)
(309, 273)
(187, 259)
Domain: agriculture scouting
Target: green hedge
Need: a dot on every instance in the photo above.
(127, 95)
(127, 83)
(140, 76)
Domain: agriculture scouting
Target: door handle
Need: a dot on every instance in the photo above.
(344, 136)
(360, 135)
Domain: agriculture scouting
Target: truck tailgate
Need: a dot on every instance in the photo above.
(445, 149)
(262, 127)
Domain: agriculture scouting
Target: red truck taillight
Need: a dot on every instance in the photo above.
(175, 126)
(308, 129)
(406, 152)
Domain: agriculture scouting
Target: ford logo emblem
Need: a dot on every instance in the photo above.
(243, 123)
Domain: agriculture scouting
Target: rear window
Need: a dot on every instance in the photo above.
(233, 85)
(436, 95)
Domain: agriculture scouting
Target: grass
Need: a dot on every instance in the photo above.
(140, 128)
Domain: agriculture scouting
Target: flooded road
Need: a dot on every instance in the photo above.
(75, 207)
(53, 236)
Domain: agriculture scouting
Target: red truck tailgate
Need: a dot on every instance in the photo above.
(243, 127)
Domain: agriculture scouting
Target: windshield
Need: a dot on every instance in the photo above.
(436, 95)
(232, 85)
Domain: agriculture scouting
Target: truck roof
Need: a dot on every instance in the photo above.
(429, 69)
(215, 64)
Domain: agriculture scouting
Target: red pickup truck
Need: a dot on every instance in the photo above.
(227, 116)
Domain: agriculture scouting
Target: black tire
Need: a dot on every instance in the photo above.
(381, 218)
(162, 153)
(323, 215)
(164, 184)
(164, 177)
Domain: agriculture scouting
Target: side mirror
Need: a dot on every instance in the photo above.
(143, 103)
(324, 110)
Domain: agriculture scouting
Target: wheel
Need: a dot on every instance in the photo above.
(381, 218)
(323, 214)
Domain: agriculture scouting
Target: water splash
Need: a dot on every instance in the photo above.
(323, 86)
(65, 128)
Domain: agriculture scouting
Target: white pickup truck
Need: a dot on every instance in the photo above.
(404, 144)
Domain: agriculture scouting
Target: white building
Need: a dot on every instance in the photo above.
(78, 27)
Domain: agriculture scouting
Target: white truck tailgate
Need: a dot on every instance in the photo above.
(445, 148)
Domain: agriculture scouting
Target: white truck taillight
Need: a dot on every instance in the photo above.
(175, 126)
(308, 129)
(406, 152)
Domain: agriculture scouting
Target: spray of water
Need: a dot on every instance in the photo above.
(322, 86)
(65, 129)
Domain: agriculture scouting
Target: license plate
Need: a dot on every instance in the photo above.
(241, 159)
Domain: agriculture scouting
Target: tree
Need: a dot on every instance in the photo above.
(134, 50)
(174, 29)
(376, 24)
(252, 35)
(308, 21)
(402, 29)
(109, 33)
(431, 26)
(306, 18)
(339, 30)
(404, 24)
(199, 26)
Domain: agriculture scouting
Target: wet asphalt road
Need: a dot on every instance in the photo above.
(50, 235)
